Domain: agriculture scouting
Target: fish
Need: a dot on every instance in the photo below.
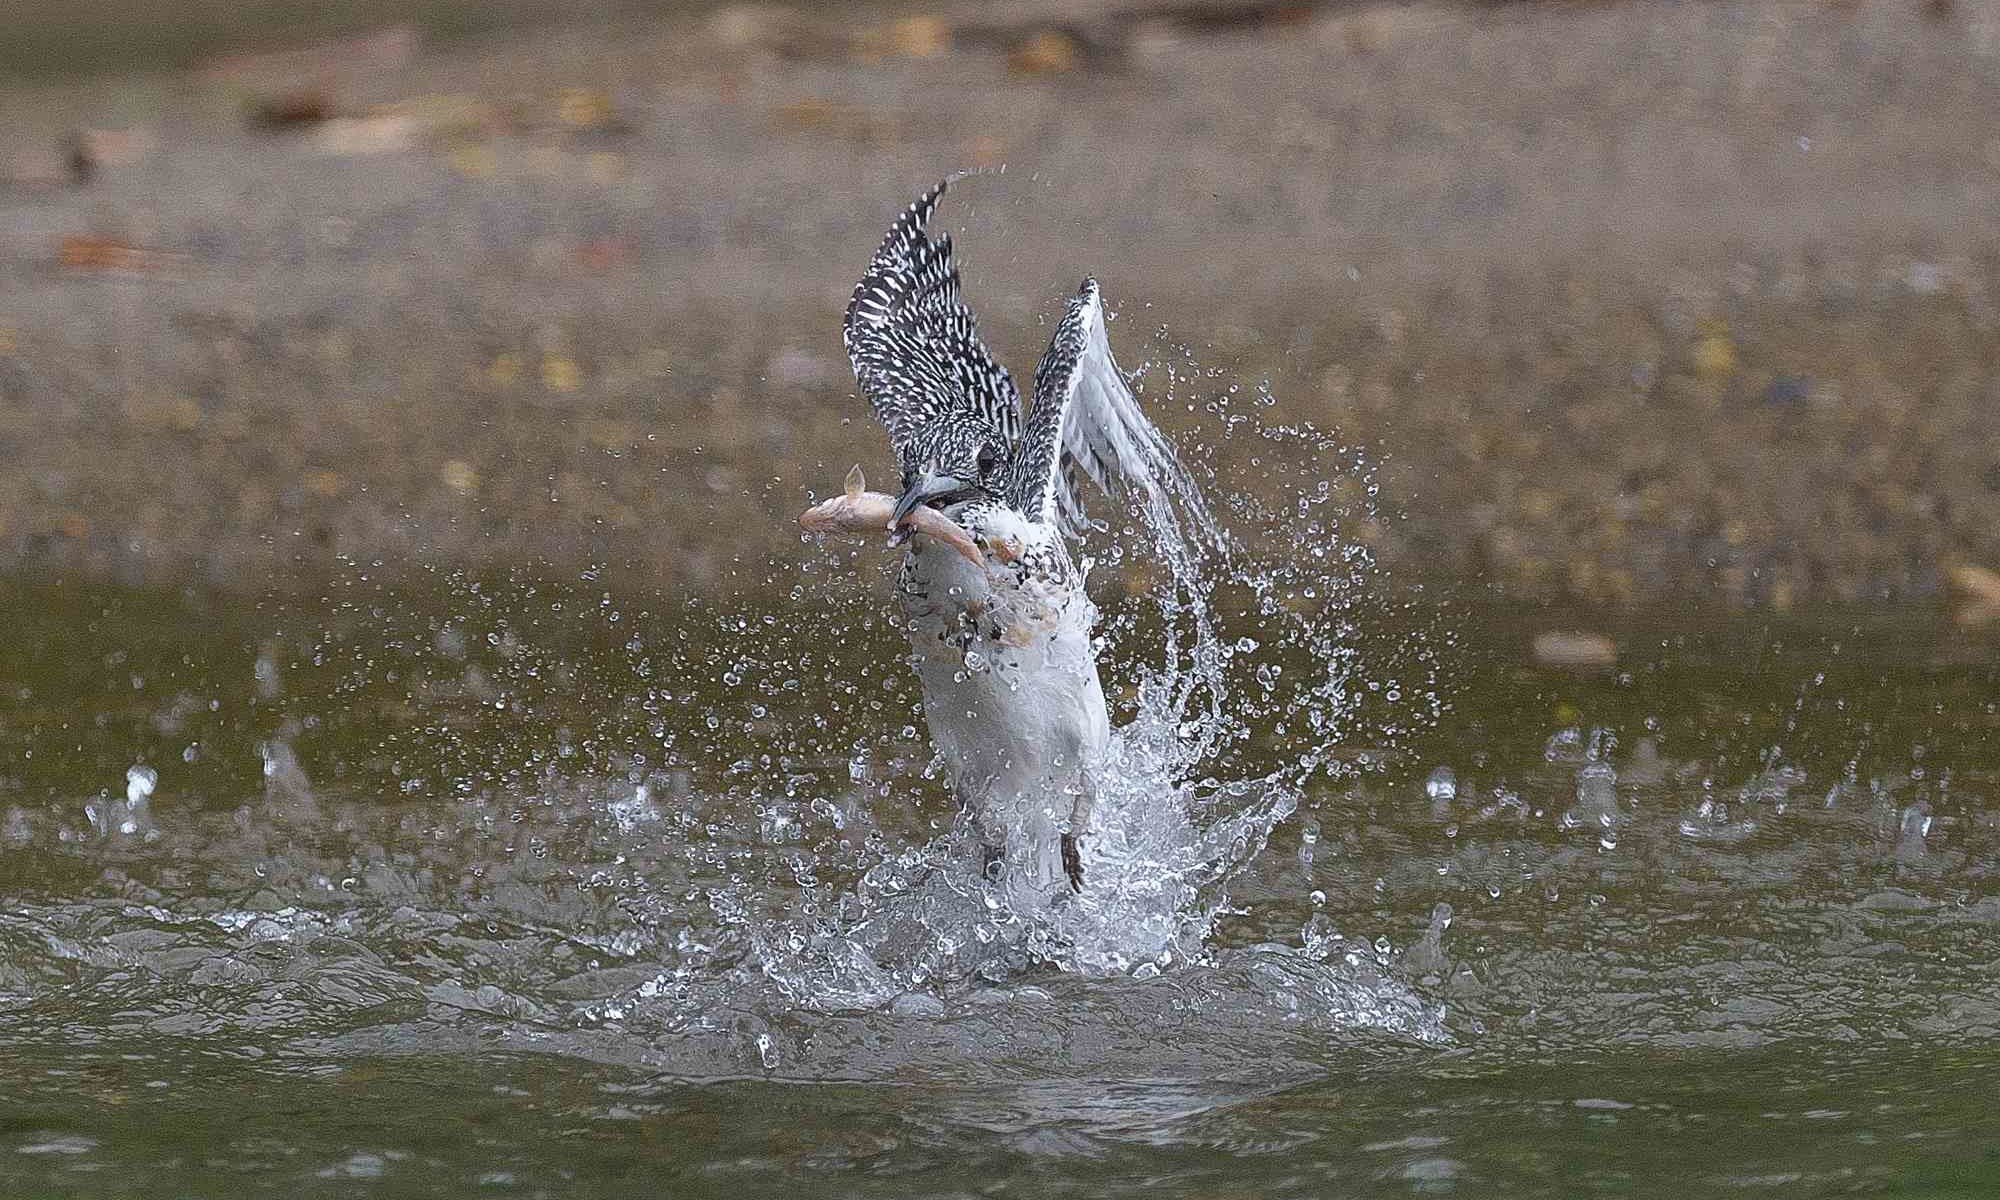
(858, 510)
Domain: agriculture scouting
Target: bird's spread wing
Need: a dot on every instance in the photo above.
(1086, 420)
(914, 344)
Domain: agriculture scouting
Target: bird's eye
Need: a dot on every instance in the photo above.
(989, 457)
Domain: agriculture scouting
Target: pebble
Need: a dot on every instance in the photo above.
(1574, 649)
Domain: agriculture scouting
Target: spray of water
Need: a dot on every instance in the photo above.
(1234, 663)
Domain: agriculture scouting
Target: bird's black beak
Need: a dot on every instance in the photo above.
(929, 486)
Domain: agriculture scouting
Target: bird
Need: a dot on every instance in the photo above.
(1002, 648)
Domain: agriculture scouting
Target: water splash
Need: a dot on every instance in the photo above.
(1217, 738)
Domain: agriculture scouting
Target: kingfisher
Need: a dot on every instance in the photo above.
(1001, 639)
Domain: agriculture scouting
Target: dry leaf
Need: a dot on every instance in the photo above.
(1050, 52)
(89, 252)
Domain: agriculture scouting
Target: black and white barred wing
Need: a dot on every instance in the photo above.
(915, 345)
(1086, 421)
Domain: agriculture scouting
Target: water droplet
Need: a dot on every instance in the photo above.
(1565, 745)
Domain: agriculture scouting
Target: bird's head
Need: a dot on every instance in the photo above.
(955, 462)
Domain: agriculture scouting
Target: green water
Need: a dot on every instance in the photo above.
(456, 889)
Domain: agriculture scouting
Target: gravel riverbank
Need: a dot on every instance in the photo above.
(1629, 304)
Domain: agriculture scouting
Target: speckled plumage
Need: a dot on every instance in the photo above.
(1003, 649)
(915, 346)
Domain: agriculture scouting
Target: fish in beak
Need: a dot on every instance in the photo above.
(929, 487)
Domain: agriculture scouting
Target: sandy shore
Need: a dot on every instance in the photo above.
(1630, 303)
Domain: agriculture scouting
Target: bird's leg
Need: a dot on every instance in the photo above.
(1079, 821)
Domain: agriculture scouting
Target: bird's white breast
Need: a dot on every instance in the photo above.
(1009, 677)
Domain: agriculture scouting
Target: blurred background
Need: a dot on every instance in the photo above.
(428, 752)
(1627, 304)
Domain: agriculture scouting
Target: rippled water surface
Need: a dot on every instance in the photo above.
(536, 888)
